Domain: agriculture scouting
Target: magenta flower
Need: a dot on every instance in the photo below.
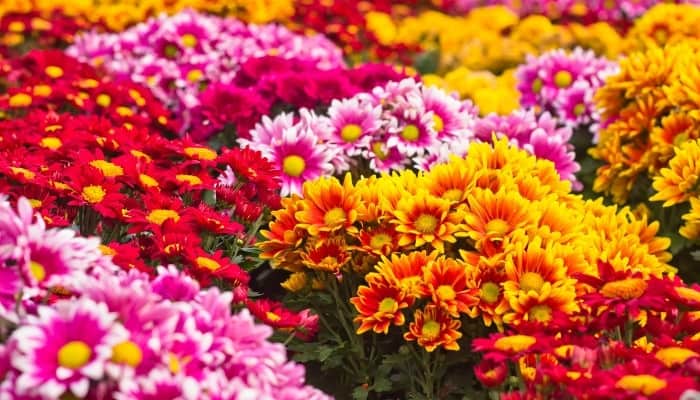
(354, 121)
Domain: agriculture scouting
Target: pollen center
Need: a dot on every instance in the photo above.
(272, 316)
(453, 195)
(107, 168)
(489, 292)
(160, 215)
(379, 240)
(531, 281)
(497, 227)
(624, 289)
(446, 292)
(438, 123)
(378, 150)
(293, 165)
(426, 223)
(93, 193)
(351, 132)
(37, 271)
(189, 40)
(563, 79)
(410, 133)
(207, 263)
(540, 313)
(430, 329)
(334, 216)
(74, 354)
(645, 384)
(387, 305)
(515, 343)
(579, 109)
(128, 353)
(537, 85)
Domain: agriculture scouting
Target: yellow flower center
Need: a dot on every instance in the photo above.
(160, 215)
(195, 75)
(53, 71)
(410, 133)
(430, 329)
(74, 354)
(515, 343)
(388, 305)
(124, 111)
(490, 292)
(272, 316)
(108, 169)
(173, 363)
(37, 271)
(136, 96)
(51, 143)
(103, 100)
(661, 35)
(497, 228)
(453, 194)
(189, 179)
(446, 292)
(426, 223)
(108, 251)
(531, 281)
(537, 85)
(16, 26)
(35, 203)
(643, 383)
(671, 356)
(200, 152)
(351, 132)
(379, 240)
(378, 150)
(438, 123)
(579, 109)
(624, 289)
(563, 79)
(140, 154)
(42, 90)
(540, 313)
(293, 165)
(128, 353)
(334, 216)
(189, 40)
(688, 293)
(147, 180)
(20, 100)
(207, 263)
(94, 193)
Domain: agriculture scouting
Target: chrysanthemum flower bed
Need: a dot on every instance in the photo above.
(373, 200)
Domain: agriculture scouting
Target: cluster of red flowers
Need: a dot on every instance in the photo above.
(152, 200)
(637, 337)
(22, 31)
(53, 81)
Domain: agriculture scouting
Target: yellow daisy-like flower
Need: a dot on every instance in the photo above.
(426, 219)
(679, 181)
(328, 207)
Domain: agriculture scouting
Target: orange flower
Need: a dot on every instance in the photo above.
(446, 283)
(492, 217)
(451, 181)
(403, 271)
(328, 207)
(379, 241)
(487, 276)
(433, 327)
(327, 255)
(426, 219)
(677, 183)
(380, 306)
(283, 236)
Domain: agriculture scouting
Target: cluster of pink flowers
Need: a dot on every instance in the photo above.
(397, 126)
(75, 326)
(179, 56)
(563, 84)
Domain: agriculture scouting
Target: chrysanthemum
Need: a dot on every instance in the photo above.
(426, 219)
(379, 241)
(491, 217)
(64, 347)
(452, 181)
(413, 133)
(328, 255)
(403, 271)
(328, 206)
(678, 182)
(354, 122)
(283, 235)
(379, 307)
(445, 281)
(450, 117)
(433, 328)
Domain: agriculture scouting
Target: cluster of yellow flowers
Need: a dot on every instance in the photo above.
(496, 235)
(650, 107)
(664, 24)
(119, 14)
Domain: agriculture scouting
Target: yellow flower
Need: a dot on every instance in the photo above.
(382, 26)
(679, 181)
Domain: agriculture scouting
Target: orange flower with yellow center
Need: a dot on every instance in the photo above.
(283, 236)
(426, 219)
(677, 183)
(328, 256)
(446, 284)
(379, 241)
(402, 271)
(452, 181)
(491, 217)
(379, 307)
(328, 207)
(433, 328)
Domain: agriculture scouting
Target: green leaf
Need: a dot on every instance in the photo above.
(360, 393)
(427, 63)
(382, 384)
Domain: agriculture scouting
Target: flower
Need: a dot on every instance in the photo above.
(379, 307)
(64, 347)
(328, 207)
(433, 328)
(446, 284)
(677, 183)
